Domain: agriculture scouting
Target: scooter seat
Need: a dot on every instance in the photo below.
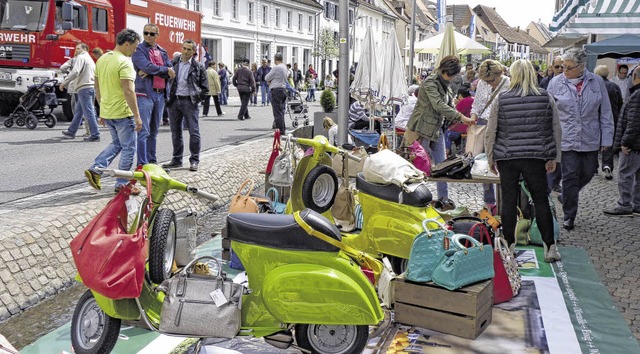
(420, 197)
(282, 231)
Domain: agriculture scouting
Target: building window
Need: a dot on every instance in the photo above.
(289, 20)
(265, 15)
(216, 8)
(300, 22)
(327, 9)
(234, 9)
(350, 16)
(310, 24)
(277, 17)
(193, 5)
(250, 12)
(335, 12)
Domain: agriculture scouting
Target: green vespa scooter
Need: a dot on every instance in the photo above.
(299, 285)
(392, 217)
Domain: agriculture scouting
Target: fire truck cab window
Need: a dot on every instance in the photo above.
(80, 16)
(23, 15)
(99, 20)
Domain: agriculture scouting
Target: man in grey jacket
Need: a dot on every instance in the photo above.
(587, 127)
(277, 79)
(82, 76)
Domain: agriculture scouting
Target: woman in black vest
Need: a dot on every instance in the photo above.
(523, 139)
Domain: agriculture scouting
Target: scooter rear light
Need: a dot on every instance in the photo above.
(369, 274)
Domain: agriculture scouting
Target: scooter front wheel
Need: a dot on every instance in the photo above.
(162, 245)
(319, 189)
(330, 339)
(92, 330)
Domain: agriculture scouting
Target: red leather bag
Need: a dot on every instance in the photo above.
(110, 259)
(274, 152)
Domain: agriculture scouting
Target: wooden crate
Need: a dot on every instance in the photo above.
(465, 312)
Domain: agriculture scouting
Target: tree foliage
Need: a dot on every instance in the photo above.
(327, 46)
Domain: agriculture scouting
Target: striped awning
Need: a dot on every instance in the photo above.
(566, 13)
(606, 17)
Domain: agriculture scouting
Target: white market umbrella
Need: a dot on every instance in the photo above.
(393, 87)
(464, 44)
(448, 43)
(365, 85)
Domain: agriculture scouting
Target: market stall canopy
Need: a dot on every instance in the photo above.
(584, 17)
(627, 45)
(464, 44)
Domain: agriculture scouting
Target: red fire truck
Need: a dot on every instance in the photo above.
(38, 36)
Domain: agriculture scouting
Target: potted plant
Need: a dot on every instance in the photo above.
(327, 101)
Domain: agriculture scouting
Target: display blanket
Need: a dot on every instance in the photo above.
(560, 309)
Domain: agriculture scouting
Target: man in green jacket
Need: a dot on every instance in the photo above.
(434, 112)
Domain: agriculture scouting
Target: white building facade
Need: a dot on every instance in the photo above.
(233, 30)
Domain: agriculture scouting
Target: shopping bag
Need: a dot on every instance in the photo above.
(475, 139)
(110, 257)
(461, 266)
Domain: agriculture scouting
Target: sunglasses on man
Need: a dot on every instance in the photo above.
(152, 34)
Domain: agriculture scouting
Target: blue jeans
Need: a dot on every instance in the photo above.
(224, 93)
(450, 137)
(311, 94)
(123, 140)
(437, 152)
(151, 108)
(265, 93)
(179, 111)
(577, 170)
(84, 107)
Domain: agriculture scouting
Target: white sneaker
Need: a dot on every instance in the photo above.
(551, 254)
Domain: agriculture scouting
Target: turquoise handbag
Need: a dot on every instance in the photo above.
(277, 206)
(461, 266)
(426, 251)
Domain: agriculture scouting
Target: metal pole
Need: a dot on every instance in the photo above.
(343, 77)
(413, 40)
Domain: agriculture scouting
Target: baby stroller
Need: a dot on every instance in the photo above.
(297, 109)
(33, 105)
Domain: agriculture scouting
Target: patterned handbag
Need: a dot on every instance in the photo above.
(461, 266)
(501, 247)
(427, 249)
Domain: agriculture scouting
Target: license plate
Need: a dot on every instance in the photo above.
(5, 76)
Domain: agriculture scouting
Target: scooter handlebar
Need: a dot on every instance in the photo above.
(120, 173)
(202, 194)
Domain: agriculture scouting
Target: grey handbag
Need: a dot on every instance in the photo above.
(282, 171)
(189, 306)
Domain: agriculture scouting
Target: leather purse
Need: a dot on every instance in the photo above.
(110, 257)
(481, 170)
(275, 151)
(461, 266)
(426, 250)
(201, 305)
(244, 203)
(282, 172)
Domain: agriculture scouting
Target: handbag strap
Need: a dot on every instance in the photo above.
(148, 208)
(484, 232)
(249, 180)
(362, 258)
(383, 143)
(276, 140)
(457, 238)
(192, 264)
(493, 95)
(287, 148)
(276, 195)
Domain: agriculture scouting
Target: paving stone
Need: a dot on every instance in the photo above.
(6, 256)
(12, 266)
(13, 288)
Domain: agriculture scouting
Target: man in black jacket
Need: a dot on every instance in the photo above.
(188, 88)
(245, 83)
(627, 140)
(557, 70)
(615, 97)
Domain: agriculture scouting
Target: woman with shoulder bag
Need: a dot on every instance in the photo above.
(433, 109)
(518, 147)
(492, 83)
